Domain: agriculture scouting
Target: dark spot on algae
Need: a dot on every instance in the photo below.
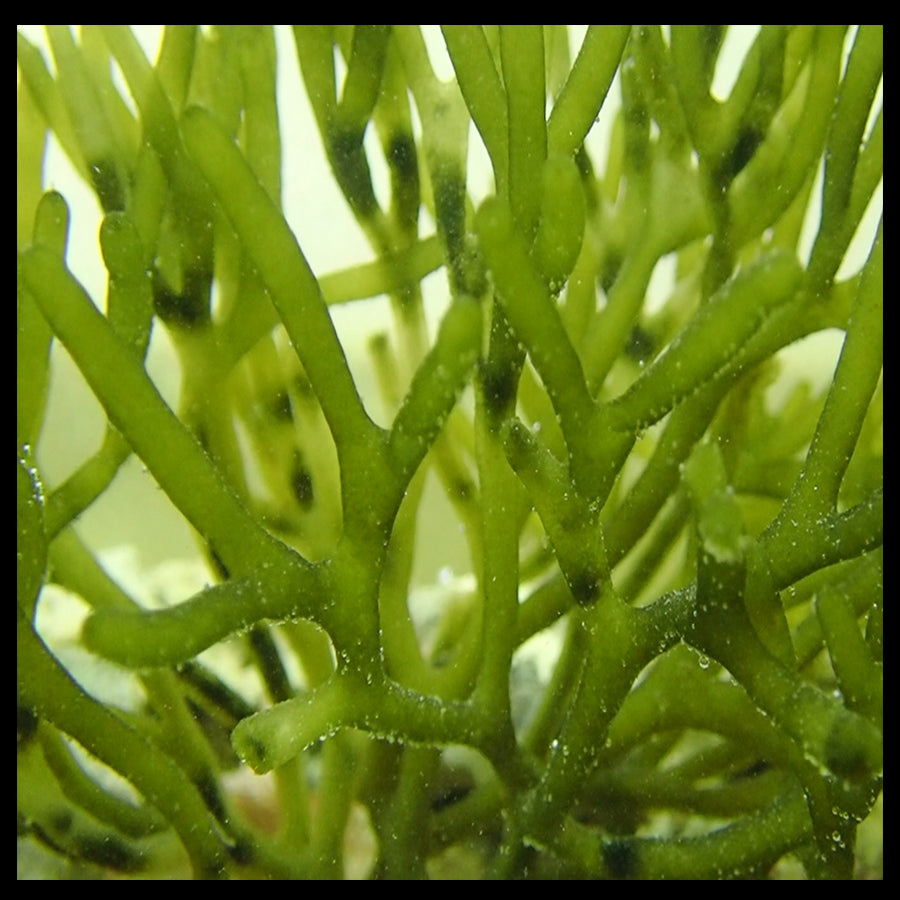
(498, 387)
(351, 169)
(280, 407)
(26, 723)
(257, 753)
(243, 852)
(208, 787)
(853, 748)
(620, 858)
(745, 145)
(403, 161)
(188, 309)
(302, 484)
(585, 587)
(106, 182)
(109, 852)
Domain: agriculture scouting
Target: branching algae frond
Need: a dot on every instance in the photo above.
(709, 554)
